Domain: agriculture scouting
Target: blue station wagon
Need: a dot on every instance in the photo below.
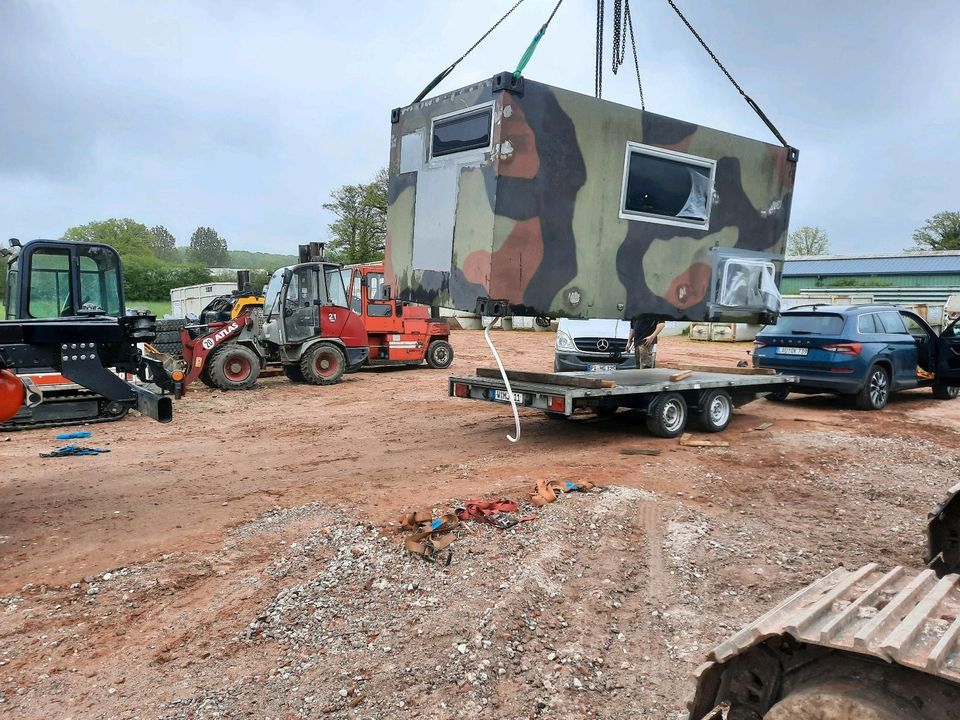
(864, 351)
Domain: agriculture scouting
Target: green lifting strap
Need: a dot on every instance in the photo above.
(533, 43)
(529, 53)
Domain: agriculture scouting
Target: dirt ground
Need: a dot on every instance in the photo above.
(245, 560)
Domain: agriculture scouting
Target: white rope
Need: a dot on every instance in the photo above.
(506, 380)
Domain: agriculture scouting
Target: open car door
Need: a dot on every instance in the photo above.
(948, 355)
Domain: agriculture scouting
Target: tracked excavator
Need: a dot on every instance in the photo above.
(863, 644)
(66, 321)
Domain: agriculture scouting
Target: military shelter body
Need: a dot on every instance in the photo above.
(548, 202)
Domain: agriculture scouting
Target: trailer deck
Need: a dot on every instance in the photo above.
(668, 396)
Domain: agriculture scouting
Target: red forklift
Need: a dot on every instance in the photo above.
(399, 334)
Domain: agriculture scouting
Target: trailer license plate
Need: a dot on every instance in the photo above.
(791, 351)
(601, 368)
(504, 396)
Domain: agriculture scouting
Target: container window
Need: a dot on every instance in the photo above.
(669, 187)
(467, 131)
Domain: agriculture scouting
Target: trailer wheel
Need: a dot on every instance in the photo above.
(439, 354)
(234, 367)
(716, 409)
(323, 364)
(667, 415)
(294, 373)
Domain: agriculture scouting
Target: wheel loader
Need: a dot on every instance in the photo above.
(862, 644)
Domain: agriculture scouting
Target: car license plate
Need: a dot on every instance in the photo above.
(601, 368)
(504, 396)
(791, 351)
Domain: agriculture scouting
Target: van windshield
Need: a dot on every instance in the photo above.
(806, 324)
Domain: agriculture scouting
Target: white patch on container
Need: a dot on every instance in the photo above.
(411, 152)
(434, 217)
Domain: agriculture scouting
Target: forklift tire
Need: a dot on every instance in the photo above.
(233, 367)
(323, 364)
(439, 354)
(294, 373)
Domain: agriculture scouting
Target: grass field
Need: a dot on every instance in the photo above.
(157, 307)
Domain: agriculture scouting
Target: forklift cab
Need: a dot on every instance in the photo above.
(60, 278)
(295, 298)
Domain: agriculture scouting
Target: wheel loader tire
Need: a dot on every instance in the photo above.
(439, 354)
(204, 377)
(233, 367)
(294, 373)
(323, 364)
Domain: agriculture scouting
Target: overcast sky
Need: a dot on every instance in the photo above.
(245, 115)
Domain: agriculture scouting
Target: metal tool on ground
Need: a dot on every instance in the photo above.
(66, 322)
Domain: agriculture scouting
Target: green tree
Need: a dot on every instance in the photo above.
(126, 236)
(808, 240)
(941, 232)
(359, 232)
(208, 248)
(163, 244)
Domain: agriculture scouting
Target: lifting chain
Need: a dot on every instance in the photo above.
(598, 68)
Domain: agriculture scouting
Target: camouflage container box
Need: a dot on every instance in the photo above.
(533, 200)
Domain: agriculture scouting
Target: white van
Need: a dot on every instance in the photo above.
(592, 345)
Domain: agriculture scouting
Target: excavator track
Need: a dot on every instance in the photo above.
(70, 406)
(855, 644)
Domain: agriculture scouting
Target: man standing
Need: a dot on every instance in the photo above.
(643, 339)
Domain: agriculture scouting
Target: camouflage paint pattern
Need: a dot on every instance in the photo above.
(536, 218)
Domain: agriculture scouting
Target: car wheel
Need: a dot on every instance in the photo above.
(667, 415)
(876, 391)
(946, 392)
(716, 409)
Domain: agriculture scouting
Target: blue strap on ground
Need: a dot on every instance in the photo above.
(70, 450)
(74, 435)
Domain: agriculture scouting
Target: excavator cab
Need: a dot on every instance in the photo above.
(65, 338)
(56, 279)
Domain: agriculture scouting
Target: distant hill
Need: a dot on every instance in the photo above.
(260, 260)
(252, 260)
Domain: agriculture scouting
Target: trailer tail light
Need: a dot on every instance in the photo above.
(460, 390)
(845, 348)
(557, 404)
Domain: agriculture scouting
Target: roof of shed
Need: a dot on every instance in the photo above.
(919, 263)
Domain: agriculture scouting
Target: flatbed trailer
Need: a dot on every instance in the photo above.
(668, 396)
